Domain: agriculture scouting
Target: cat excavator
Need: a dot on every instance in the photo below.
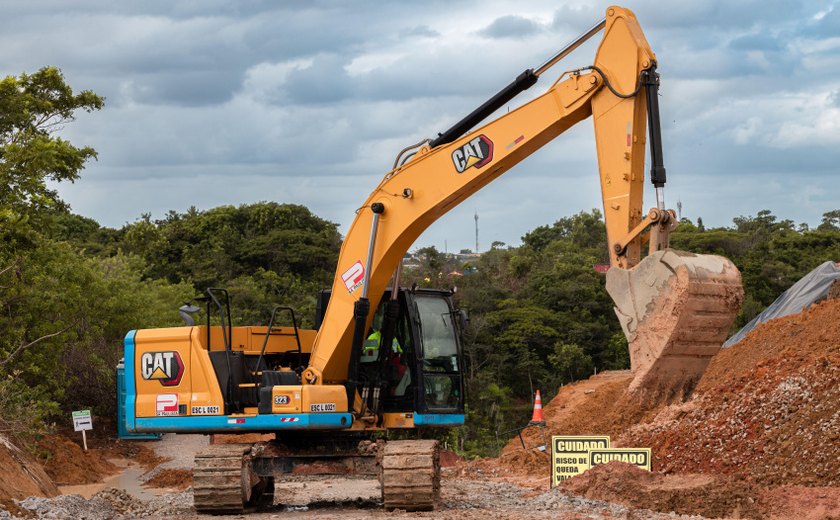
(384, 357)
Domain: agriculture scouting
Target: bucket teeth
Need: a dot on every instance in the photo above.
(676, 309)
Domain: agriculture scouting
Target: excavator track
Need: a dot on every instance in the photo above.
(676, 309)
(223, 481)
(410, 475)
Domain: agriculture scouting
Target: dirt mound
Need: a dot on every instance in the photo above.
(802, 503)
(809, 334)
(765, 414)
(67, 463)
(167, 478)
(449, 459)
(240, 438)
(21, 475)
(684, 494)
(599, 405)
(768, 407)
(142, 454)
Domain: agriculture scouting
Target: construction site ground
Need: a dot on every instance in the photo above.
(758, 438)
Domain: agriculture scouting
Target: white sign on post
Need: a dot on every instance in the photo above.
(82, 422)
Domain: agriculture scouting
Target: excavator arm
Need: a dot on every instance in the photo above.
(615, 91)
(674, 307)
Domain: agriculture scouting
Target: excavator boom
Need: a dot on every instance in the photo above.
(615, 91)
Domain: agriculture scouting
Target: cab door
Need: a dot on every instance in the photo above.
(439, 358)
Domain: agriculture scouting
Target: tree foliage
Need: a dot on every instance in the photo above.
(33, 107)
(541, 317)
(70, 289)
(263, 253)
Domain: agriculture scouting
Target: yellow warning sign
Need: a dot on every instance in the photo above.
(570, 454)
(637, 456)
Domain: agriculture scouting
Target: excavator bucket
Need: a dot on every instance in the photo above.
(676, 309)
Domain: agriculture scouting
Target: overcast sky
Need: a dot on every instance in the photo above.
(216, 102)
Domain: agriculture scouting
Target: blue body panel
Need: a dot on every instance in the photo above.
(226, 423)
(130, 387)
(122, 433)
(438, 419)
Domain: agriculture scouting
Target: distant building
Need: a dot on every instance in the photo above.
(469, 255)
(411, 261)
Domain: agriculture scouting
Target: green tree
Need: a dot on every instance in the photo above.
(570, 363)
(33, 107)
(830, 221)
(63, 321)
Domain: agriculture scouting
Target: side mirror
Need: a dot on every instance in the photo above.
(186, 311)
(463, 319)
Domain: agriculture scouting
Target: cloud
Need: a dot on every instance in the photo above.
(510, 26)
(214, 102)
(826, 23)
(422, 31)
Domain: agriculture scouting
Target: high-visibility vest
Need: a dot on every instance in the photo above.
(371, 344)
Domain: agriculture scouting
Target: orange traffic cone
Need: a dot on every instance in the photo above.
(537, 418)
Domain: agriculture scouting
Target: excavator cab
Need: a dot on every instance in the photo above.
(419, 370)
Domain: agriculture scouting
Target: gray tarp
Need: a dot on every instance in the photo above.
(811, 288)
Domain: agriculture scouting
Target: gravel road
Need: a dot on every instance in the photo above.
(330, 497)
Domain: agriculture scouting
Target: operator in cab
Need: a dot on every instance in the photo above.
(370, 348)
(398, 372)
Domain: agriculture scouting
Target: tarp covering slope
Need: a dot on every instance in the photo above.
(811, 288)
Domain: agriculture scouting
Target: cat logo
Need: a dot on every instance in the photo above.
(165, 367)
(476, 152)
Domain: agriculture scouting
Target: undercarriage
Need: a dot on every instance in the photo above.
(233, 478)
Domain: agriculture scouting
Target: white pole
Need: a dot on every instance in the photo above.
(84, 439)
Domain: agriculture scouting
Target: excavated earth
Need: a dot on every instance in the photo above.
(21, 476)
(758, 438)
(167, 463)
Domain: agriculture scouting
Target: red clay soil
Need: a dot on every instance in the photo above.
(240, 438)
(693, 494)
(67, 463)
(599, 405)
(21, 476)
(137, 452)
(768, 407)
(178, 479)
(448, 459)
(801, 503)
(765, 414)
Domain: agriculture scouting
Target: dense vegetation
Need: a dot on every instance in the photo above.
(71, 289)
(542, 318)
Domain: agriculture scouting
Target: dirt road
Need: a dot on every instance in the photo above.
(124, 495)
(476, 490)
(460, 498)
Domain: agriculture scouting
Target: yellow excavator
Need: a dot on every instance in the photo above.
(384, 357)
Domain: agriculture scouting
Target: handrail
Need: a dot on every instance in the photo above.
(268, 334)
